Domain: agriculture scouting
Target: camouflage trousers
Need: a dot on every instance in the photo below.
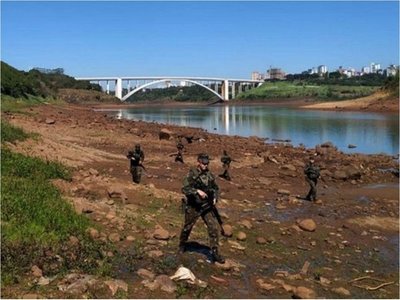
(136, 174)
(312, 194)
(191, 216)
(225, 174)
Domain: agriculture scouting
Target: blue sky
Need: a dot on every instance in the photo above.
(222, 39)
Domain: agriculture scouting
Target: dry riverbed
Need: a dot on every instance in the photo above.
(281, 246)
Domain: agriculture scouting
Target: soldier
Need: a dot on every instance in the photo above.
(201, 193)
(179, 156)
(312, 174)
(226, 162)
(136, 157)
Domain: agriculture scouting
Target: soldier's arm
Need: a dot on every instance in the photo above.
(188, 185)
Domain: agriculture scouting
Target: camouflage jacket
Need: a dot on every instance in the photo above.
(136, 157)
(196, 179)
(311, 171)
(225, 159)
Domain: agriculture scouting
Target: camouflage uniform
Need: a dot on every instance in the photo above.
(179, 156)
(226, 161)
(136, 157)
(312, 173)
(196, 207)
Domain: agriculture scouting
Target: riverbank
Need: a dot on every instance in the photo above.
(272, 253)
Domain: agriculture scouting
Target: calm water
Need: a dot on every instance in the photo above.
(370, 132)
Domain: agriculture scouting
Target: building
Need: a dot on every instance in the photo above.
(322, 69)
(365, 70)
(275, 73)
(375, 67)
(257, 76)
(391, 70)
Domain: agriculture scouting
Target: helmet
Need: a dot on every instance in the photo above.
(203, 158)
(137, 146)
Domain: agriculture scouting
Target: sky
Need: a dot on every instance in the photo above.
(214, 39)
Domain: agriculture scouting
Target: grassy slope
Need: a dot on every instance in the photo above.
(282, 89)
(34, 216)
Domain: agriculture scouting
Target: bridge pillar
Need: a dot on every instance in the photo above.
(233, 90)
(108, 87)
(225, 90)
(118, 88)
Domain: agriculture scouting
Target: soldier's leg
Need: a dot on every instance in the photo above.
(191, 216)
(314, 190)
(310, 182)
(212, 228)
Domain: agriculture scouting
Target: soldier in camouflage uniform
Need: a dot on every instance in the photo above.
(136, 158)
(201, 193)
(312, 174)
(179, 156)
(226, 162)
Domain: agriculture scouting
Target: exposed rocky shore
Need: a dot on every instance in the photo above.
(280, 246)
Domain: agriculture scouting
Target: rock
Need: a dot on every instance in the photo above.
(241, 236)
(94, 233)
(130, 238)
(289, 167)
(117, 193)
(155, 253)
(302, 292)
(114, 237)
(76, 284)
(165, 134)
(73, 241)
(145, 274)
(283, 192)
(161, 234)
(352, 172)
(43, 281)
(261, 241)
(219, 280)
(327, 145)
(166, 284)
(246, 223)
(114, 285)
(50, 121)
(93, 172)
(307, 225)
(264, 285)
(339, 174)
(264, 181)
(36, 271)
(228, 230)
(341, 291)
(31, 296)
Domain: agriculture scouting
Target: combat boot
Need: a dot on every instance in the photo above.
(182, 248)
(216, 256)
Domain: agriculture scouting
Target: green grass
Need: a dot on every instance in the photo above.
(282, 89)
(10, 133)
(18, 105)
(35, 218)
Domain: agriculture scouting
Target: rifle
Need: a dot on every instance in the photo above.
(209, 205)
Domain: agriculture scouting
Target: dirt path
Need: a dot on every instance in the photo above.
(357, 223)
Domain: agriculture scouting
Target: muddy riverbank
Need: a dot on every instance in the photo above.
(354, 229)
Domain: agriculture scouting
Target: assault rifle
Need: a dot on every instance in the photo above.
(209, 205)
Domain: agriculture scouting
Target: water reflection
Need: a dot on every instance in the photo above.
(371, 132)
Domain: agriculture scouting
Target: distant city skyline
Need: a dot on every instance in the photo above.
(221, 39)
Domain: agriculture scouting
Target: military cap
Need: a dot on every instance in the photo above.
(203, 158)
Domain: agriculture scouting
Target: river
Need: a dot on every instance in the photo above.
(371, 133)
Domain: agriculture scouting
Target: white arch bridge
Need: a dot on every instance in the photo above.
(125, 87)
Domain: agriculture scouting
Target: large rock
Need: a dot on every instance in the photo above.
(307, 225)
(283, 192)
(289, 167)
(161, 234)
(228, 231)
(115, 285)
(145, 274)
(341, 291)
(241, 236)
(117, 193)
(50, 121)
(166, 284)
(165, 134)
(36, 271)
(302, 292)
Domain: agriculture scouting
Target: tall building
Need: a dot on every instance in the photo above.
(257, 76)
(322, 69)
(365, 70)
(275, 73)
(391, 70)
(375, 67)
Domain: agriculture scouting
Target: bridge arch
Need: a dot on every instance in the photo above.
(165, 80)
